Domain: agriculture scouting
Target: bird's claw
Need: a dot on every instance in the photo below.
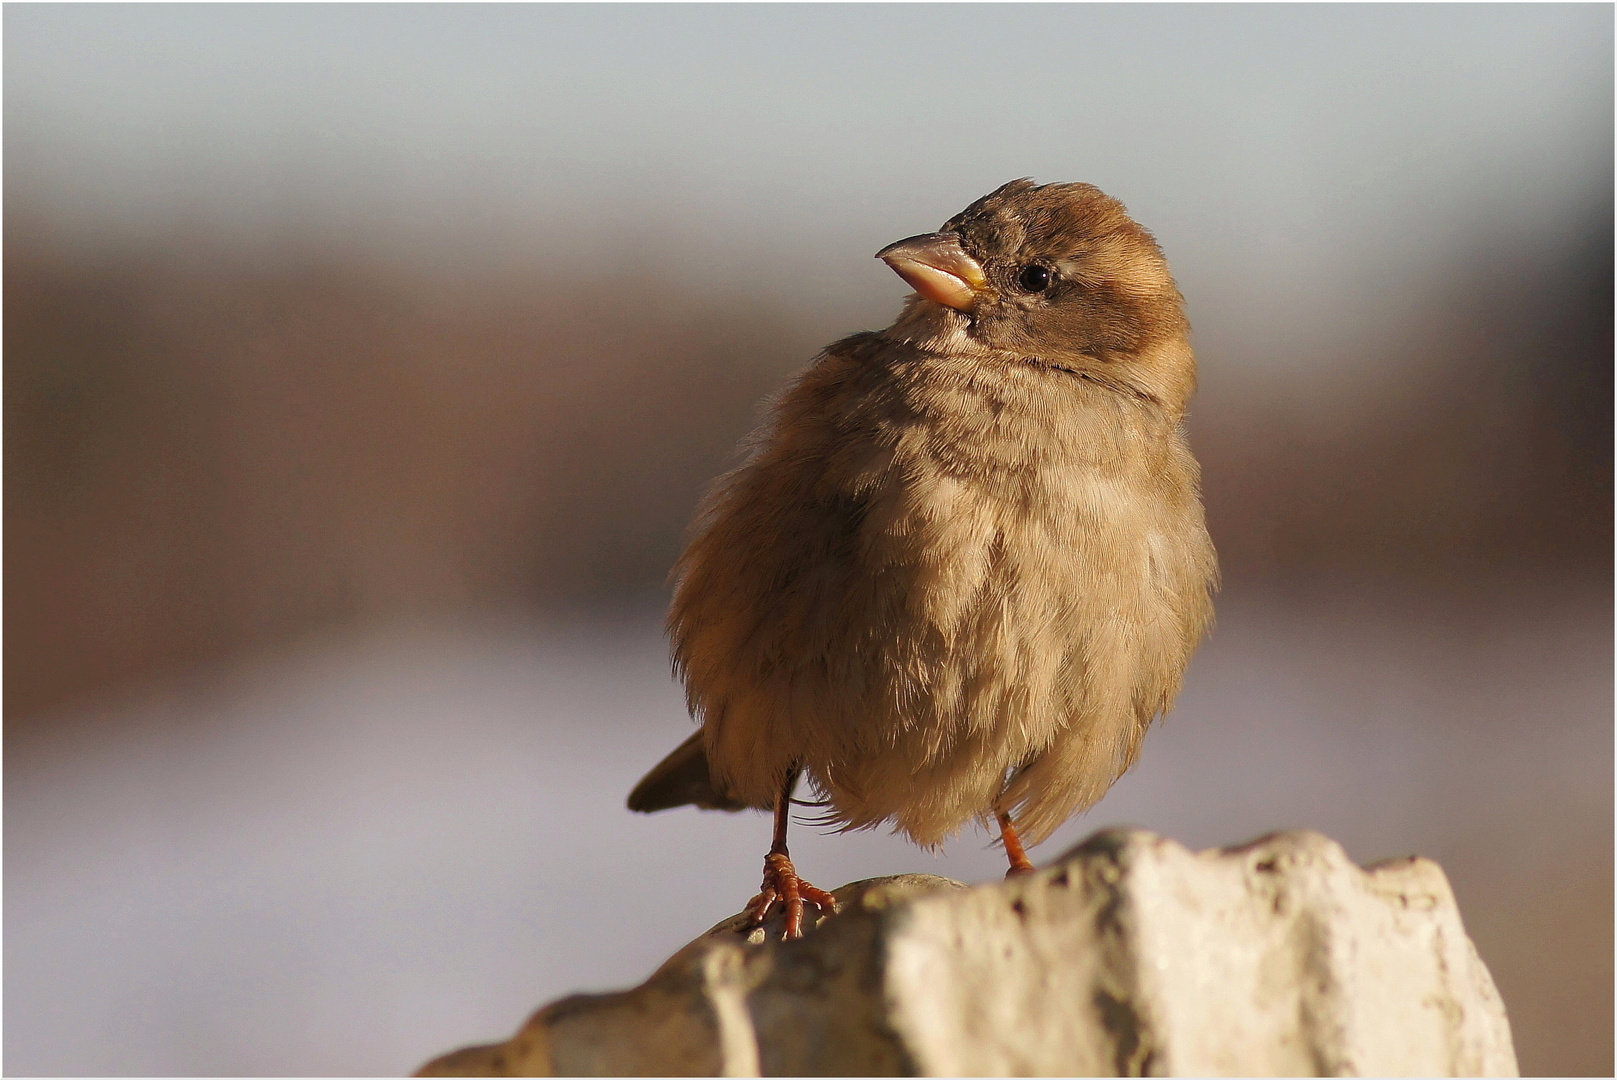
(783, 889)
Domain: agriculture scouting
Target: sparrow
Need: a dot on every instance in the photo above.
(965, 563)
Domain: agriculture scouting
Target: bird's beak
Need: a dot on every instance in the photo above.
(937, 267)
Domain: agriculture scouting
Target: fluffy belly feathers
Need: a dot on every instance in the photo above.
(928, 641)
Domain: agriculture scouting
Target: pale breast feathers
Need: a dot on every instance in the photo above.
(934, 571)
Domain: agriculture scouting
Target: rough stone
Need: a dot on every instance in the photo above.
(1130, 955)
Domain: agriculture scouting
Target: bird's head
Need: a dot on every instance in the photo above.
(1053, 271)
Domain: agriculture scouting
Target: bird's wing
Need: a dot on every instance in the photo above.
(681, 779)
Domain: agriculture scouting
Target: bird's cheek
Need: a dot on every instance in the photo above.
(993, 325)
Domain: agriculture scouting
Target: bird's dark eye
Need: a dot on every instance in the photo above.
(1034, 278)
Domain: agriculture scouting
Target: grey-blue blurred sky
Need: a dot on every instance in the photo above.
(1282, 153)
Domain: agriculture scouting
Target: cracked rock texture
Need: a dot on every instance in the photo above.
(1130, 955)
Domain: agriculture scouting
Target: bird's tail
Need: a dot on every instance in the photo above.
(681, 779)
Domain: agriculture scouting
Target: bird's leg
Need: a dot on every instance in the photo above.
(1020, 864)
(782, 888)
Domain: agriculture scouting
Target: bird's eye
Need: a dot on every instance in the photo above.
(1034, 278)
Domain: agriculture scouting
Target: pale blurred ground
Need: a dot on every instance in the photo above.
(372, 849)
(363, 363)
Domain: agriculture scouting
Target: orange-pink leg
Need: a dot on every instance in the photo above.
(1020, 864)
(782, 888)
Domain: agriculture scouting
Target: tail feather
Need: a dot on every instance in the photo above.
(681, 779)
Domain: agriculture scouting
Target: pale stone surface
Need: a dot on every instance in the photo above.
(1130, 955)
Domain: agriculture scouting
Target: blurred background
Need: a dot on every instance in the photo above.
(364, 364)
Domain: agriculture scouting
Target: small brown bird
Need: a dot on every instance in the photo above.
(965, 564)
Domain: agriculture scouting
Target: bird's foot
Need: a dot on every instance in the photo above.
(783, 889)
